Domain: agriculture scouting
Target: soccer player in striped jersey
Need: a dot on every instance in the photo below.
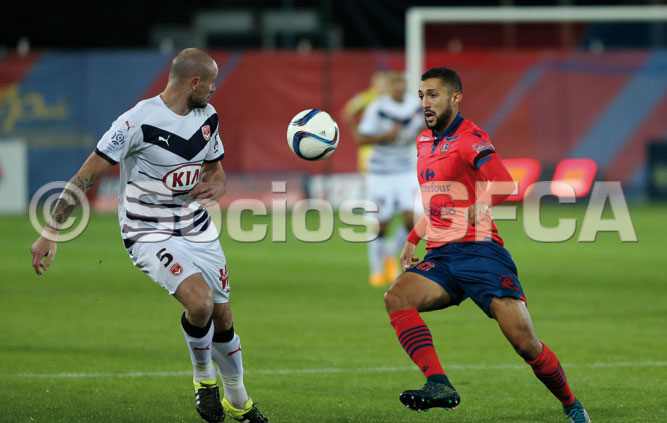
(390, 124)
(461, 176)
(169, 151)
(354, 109)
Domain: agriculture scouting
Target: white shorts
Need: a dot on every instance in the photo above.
(171, 261)
(394, 193)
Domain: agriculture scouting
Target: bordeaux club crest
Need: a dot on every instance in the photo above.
(206, 132)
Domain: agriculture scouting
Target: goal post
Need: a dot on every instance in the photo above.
(418, 17)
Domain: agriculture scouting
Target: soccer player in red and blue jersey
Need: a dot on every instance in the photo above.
(461, 176)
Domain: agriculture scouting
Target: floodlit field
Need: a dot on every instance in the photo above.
(95, 340)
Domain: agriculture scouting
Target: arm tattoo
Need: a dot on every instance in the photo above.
(70, 199)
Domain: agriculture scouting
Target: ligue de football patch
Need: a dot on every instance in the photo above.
(116, 141)
(176, 269)
(206, 132)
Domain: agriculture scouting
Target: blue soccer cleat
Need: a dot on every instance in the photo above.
(576, 413)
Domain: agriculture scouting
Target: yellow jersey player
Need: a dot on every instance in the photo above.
(354, 109)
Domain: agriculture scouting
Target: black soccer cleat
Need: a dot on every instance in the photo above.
(432, 395)
(207, 396)
(249, 414)
(253, 416)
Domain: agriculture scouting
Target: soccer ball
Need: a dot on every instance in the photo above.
(312, 134)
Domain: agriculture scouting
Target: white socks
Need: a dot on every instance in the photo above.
(226, 354)
(375, 255)
(397, 241)
(230, 362)
(199, 343)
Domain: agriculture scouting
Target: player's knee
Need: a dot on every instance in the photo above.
(527, 347)
(200, 310)
(223, 325)
(222, 318)
(393, 301)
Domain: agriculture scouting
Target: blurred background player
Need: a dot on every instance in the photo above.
(466, 257)
(354, 110)
(390, 124)
(169, 150)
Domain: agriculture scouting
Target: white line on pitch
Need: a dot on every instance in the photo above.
(329, 370)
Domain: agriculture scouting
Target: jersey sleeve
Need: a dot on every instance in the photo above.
(356, 104)
(476, 148)
(369, 124)
(216, 151)
(121, 139)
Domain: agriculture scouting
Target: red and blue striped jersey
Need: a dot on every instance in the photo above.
(448, 168)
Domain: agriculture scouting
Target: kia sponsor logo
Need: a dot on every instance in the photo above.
(183, 178)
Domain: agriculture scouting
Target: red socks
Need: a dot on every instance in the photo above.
(416, 339)
(547, 369)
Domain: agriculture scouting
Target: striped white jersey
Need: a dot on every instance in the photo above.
(400, 154)
(161, 155)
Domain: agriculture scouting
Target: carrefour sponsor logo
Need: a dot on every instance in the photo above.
(427, 174)
(434, 188)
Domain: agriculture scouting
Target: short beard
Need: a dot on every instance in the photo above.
(441, 122)
(195, 104)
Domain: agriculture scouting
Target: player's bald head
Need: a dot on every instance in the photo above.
(192, 62)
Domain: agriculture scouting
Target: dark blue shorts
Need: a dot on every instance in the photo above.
(479, 270)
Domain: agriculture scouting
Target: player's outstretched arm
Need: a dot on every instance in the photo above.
(350, 112)
(382, 138)
(213, 184)
(43, 250)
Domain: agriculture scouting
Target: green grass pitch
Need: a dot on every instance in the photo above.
(95, 340)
